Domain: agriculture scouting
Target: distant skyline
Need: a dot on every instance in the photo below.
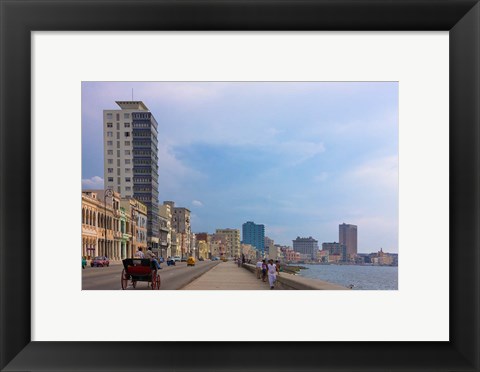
(299, 157)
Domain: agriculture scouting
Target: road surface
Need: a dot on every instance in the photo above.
(172, 277)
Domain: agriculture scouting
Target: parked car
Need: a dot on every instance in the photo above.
(170, 261)
(84, 262)
(177, 258)
(215, 258)
(184, 259)
(191, 261)
(201, 259)
(100, 261)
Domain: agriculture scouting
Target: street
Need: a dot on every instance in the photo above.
(172, 277)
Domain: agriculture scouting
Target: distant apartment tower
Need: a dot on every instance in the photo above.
(347, 235)
(254, 234)
(130, 158)
(232, 241)
(336, 248)
(306, 246)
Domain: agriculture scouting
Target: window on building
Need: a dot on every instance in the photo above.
(128, 188)
(118, 153)
(109, 143)
(118, 171)
(109, 125)
(127, 170)
(118, 135)
(110, 170)
(109, 115)
(127, 161)
(127, 134)
(126, 116)
(110, 179)
(110, 152)
(127, 143)
(110, 161)
(118, 144)
(118, 117)
(118, 180)
(127, 179)
(118, 162)
(109, 134)
(127, 152)
(127, 125)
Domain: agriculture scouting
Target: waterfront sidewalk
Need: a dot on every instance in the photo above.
(227, 276)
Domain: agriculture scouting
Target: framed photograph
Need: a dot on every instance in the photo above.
(277, 119)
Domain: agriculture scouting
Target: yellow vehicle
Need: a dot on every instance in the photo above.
(224, 259)
(191, 261)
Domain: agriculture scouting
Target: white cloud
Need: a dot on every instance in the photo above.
(94, 182)
(197, 203)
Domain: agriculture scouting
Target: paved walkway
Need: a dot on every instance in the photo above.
(228, 276)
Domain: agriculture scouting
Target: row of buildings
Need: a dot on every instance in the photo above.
(116, 226)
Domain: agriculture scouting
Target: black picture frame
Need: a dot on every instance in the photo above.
(18, 18)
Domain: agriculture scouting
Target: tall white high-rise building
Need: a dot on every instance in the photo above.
(131, 159)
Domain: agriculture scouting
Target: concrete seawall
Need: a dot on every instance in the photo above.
(289, 281)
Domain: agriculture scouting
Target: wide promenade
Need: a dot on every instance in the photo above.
(172, 277)
(227, 276)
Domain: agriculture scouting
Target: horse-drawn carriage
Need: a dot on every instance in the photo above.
(140, 270)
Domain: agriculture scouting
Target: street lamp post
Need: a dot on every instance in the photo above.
(109, 193)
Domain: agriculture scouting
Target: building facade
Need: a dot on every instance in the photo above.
(254, 234)
(108, 226)
(336, 248)
(180, 223)
(232, 240)
(131, 158)
(165, 241)
(347, 235)
(306, 246)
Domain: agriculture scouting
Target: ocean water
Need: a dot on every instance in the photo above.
(362, 277)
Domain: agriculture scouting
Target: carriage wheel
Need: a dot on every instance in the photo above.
(124, 279)
(158, 282)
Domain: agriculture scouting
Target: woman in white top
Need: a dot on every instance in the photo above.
(272, 273)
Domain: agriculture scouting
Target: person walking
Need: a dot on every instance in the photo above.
(272, 274)
(277, 264)
(259, 269)
(264, 271)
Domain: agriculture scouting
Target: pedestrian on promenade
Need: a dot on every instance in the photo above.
(239, 261)
(139, 253)
(272, 274)
(243, 258)
(264, 271)
(277, 264)
(259, 269)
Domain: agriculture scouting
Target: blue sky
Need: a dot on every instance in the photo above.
(299, 157)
